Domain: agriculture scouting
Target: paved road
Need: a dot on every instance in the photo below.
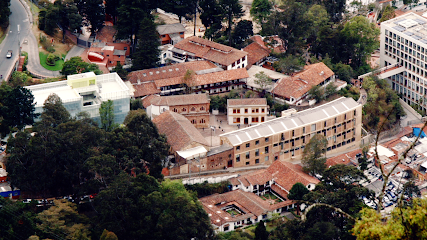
(31, 45)
(11, 42)
(74, 52)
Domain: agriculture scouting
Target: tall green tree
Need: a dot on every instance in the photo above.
(106, 113)
(69, 16)
(181, 8)
(242, 31)
(4, 12)
(264, 81)
(130, 13)
(290, 64)
(147, 52)
(17, 221)
(261, 9)
(18, 108)
(211, 17)
(297, 192)
(313, 158)
(120, 70)
(361, 38)
(335, 8)
(260, 231)
(111, 8)
(93, 12)
(232, 9)
(48, 17)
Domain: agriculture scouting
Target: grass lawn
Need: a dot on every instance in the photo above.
(233, 212)
(57, 67)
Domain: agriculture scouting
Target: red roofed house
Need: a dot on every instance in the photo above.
(244, 205)
(169, 80)
(196, 48)
(195, 107)
(257, 54)
(246, 111)
(171, 33)
(295, 89)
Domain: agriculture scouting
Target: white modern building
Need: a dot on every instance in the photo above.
(404, 56)
(85, 92)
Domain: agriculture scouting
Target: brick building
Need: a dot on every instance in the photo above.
(220, 157)
(171, 33)
(195, 107)
(284, 138)
(246, 111)
(171, 80)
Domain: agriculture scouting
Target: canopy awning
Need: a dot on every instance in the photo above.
(193, 153)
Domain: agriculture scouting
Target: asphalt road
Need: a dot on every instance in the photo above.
(11, 42)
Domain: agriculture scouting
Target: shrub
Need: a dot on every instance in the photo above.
(51, 59)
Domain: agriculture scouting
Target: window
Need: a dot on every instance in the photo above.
(202, 121)
(313, 127)
(266, 139)
(324, 124)
(266, 150)
(175, 110)
(303, 130)
(257, 160)
(256, 142)
(262, 110)
(193, 121)
(193, 109)
(257, 152)
(202, 108)
(125, 48)
(237, 148)
(248, 145)
(238, 158)
(266, 158)
(246, 110)
(234, 110)
(247, 163)
(282, 137)
(184, 109)
(248, 155)
(293, 133)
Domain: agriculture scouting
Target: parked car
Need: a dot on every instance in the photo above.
(9, 54)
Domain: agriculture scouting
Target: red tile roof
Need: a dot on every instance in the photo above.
(211, 51)
(175, 70)
(344, 158)
(287, 174)
(251, 204)
(222, 76)
(302, 82)
(145, 89)
(256, 52)
(179, 131)
(146, 101)
(246, 102)
(185, 99)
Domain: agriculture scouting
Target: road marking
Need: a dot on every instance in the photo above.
(25, 20)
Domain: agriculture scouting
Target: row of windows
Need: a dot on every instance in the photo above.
(195, 122)
(193, 109)
(293, 150)
(248, 154)
(254, 110)
(253, 120)
(404, 41)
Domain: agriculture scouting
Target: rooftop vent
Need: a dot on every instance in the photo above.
(144, 74)
(170, 69)
(157, 72)
(176, 69)
(151, 73)
(321, 73)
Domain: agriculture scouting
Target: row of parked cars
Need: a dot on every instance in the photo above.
(49, 202)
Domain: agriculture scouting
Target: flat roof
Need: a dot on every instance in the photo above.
(299, 119)
(411, 25)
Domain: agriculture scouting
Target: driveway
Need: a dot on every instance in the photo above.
(74, 52)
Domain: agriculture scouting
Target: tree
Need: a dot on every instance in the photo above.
(4, 12)
(136, 104)
(290, 64)
(120, 71)
(180, 7)
(54, 112)
(111, 7)
(211, 17)
(330, 89)
(361, 38)
(107, 235)
(18, 108)
(297, 192)
(387, 13)
(241, 32)
(48, 18)
(404, 223)
(313, 157)
(231, 10)
(335, 8)
(128, 25)
(62, 220)
(93, 13)
(343, 71)
(106, 113)
(260, 231)
(142, 208)
(19, 79)
(69, 17)
(17, 221)
(261, 9)
(317, 93)
(76, 65)
(189, 80)
(264, 81)
(317, 18)
(147, 53)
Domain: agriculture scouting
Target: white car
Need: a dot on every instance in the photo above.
(9, 54)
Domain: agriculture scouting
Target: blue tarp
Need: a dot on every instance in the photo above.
(417, 132)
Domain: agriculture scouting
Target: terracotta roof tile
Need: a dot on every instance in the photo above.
(170, 71)
(302, 82)
(287, 174)
(256, 52)
(222, 76)
(246, 101)
(206, 49)
(179, 131)
(145, 89)
(180, 100)
(146, 101)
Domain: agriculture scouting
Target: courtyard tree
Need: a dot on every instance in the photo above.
(314, 155)
(264, 81)
(106, 113)
(297, 192)
(76, 65)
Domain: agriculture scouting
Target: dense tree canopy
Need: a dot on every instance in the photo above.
(76, 65)
(4, 12)
(313, 158)
(261, 9)
(147, 53)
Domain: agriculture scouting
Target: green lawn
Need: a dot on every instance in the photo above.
(2, 34)
(57, 67)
